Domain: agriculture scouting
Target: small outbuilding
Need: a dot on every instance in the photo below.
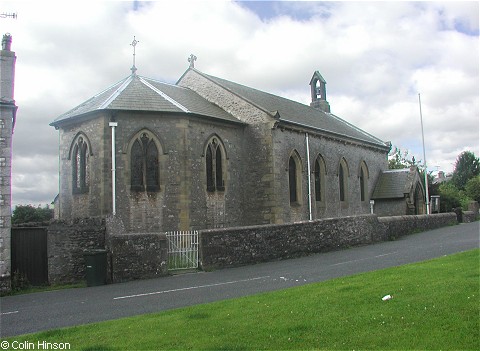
(399, 192)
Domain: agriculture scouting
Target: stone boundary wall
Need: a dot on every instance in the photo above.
(395, 227)
(469, 216)
(144, 255)
(137, 256)
(134, 255)
(230, 247)
(67, 242)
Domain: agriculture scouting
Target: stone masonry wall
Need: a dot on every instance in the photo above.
(138, 256)
(67, 242)
(134, 256)
(391, 228)
(230, 247)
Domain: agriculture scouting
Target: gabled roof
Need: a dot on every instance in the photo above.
(293, 112)
(137, 93)
(394, 184)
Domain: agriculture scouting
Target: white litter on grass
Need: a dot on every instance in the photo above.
(387, 297)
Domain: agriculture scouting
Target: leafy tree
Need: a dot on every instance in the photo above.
(399, 160)
(452, 197)
(467, 166)
(473, 188)
(28, 214)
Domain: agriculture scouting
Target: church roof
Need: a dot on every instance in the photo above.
(138, 93)
(393, 184)
(293, 112)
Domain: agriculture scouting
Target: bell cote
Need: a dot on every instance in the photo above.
(319, 93)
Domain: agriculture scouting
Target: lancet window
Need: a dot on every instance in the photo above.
(343, 180)
(319, 174)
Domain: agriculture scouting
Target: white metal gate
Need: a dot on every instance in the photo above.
(182, 249)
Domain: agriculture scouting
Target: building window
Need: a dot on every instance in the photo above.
(2, 123)
(343, 180)
(363, 182)
(292, 179)
(80, 167)
(144, 164)
(319, 175)
(214, 163)
(295, 178)
(3, 162)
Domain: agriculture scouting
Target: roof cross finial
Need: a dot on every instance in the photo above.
(192, 60)
(134, 43)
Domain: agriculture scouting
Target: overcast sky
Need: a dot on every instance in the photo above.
(376, 59)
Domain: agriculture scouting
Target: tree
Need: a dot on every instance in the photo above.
(28, 214)
(452, 197)
(399, 160)
(467, 166)
(473, 188)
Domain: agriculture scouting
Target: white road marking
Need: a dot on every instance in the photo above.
(189, 288)
(363, 259)
(4, 313)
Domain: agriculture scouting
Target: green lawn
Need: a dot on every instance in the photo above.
(435, 305)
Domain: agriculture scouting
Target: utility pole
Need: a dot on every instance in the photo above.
(427, 202)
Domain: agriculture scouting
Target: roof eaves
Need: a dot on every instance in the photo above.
(355, 128)
(380, 144)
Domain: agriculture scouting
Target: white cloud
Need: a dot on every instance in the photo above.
(376, 58)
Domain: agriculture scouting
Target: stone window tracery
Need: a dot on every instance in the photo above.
(144, 164)
(80, 166)
(214, 163)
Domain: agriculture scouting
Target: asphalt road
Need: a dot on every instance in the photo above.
(48, 310)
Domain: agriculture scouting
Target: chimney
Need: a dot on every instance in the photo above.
(7, 71)
(7, 42)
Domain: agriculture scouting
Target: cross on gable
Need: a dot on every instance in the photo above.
(192, 60)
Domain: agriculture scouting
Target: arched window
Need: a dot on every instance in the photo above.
(319, 175)
(343, 180)
(144, 165)
(80, 166)
(363, 177)
(295, 178)
(292, 179)
(214, 166)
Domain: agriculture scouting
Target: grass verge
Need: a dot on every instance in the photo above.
(435, 305)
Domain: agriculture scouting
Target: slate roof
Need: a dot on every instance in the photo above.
(392, 184)
(290, 111)
(137, 93)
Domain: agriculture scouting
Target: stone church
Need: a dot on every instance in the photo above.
(207, 152)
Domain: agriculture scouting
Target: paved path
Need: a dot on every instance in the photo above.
(42, 311)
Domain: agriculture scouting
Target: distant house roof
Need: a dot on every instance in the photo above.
(292, 112)
(137, 93)
(393, 184)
